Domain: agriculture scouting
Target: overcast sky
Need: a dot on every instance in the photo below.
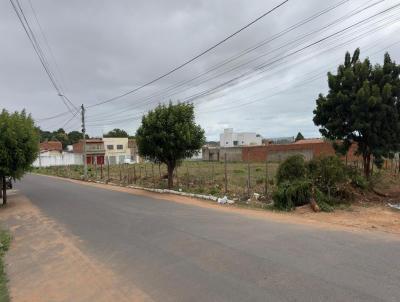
(100, 49)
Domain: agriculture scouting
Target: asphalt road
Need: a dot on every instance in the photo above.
(176, 252)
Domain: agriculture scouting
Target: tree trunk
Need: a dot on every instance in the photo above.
(367, 165)
(171, 168)
(4, 190)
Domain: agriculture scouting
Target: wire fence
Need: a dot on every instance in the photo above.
(237, 180)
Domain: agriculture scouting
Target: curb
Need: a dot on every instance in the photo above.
(163, 191)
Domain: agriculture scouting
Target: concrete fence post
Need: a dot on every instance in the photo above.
(108, 171)
(226, 174)
(266, 177)
(248, 173)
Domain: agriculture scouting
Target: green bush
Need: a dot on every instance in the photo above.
(325, 204)
(292, 194)
(357, 180)
(293, 168)
(327, 173)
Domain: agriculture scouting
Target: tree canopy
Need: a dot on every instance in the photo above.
(18, 145)
(116, 133)
(362, 106)
(299, 136)
(169, 134)
(61, 136)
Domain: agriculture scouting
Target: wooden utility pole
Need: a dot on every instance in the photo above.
(84, 143)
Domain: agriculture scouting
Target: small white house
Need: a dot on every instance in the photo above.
(234, 139)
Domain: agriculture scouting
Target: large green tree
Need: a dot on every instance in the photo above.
(18, 145)
(116, 133)
(362, 106)
(169, 134)
(61, 136)
(74, 137)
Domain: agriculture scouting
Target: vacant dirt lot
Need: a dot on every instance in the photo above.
(45, 263)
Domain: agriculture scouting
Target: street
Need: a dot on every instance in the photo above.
(181, 252)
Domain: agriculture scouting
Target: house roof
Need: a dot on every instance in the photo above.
(92, 140)
(51, 146)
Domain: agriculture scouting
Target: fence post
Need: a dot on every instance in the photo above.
(226, 177)
(95, 170)
(120, 175)
(108, 171)
(101, 171)
(187, 177)
(134, 173)
(213, 172)
(154, 180)
(145, 171)
(177, 178)
(266, 178)
(248, 173)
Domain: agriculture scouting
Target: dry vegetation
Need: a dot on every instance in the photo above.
(191, 176)
(209, 178)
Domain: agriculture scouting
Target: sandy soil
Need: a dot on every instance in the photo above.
(45, 263)
(372, 217)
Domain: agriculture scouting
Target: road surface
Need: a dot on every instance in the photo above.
(179, 252)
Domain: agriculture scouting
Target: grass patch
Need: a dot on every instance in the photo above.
(5, 240)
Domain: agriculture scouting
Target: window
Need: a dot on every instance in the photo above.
(110, 147)
(120, 147)
(226, 143)
(235, 143)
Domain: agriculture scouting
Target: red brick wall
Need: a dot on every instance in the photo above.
(51, 146)
(260, 153)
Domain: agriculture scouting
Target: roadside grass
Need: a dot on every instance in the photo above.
(5, 239)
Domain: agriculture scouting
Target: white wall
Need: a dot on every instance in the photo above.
(63, 159)
(228, 138)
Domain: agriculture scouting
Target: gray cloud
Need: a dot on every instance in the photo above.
(104, 48)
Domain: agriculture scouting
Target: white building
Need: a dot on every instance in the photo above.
(233, 139)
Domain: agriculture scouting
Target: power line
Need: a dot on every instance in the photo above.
(242, 53)
(69, 120)
(280, 58)
(160, 93)
(192, 59)
(38, 50)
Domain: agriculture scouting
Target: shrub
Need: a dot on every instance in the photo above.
(326, 173)
(324, 203)
(356, 179)
(292, 194)
(293, 168)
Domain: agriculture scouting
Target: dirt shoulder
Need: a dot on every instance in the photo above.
(46, 263)
(366, 217)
